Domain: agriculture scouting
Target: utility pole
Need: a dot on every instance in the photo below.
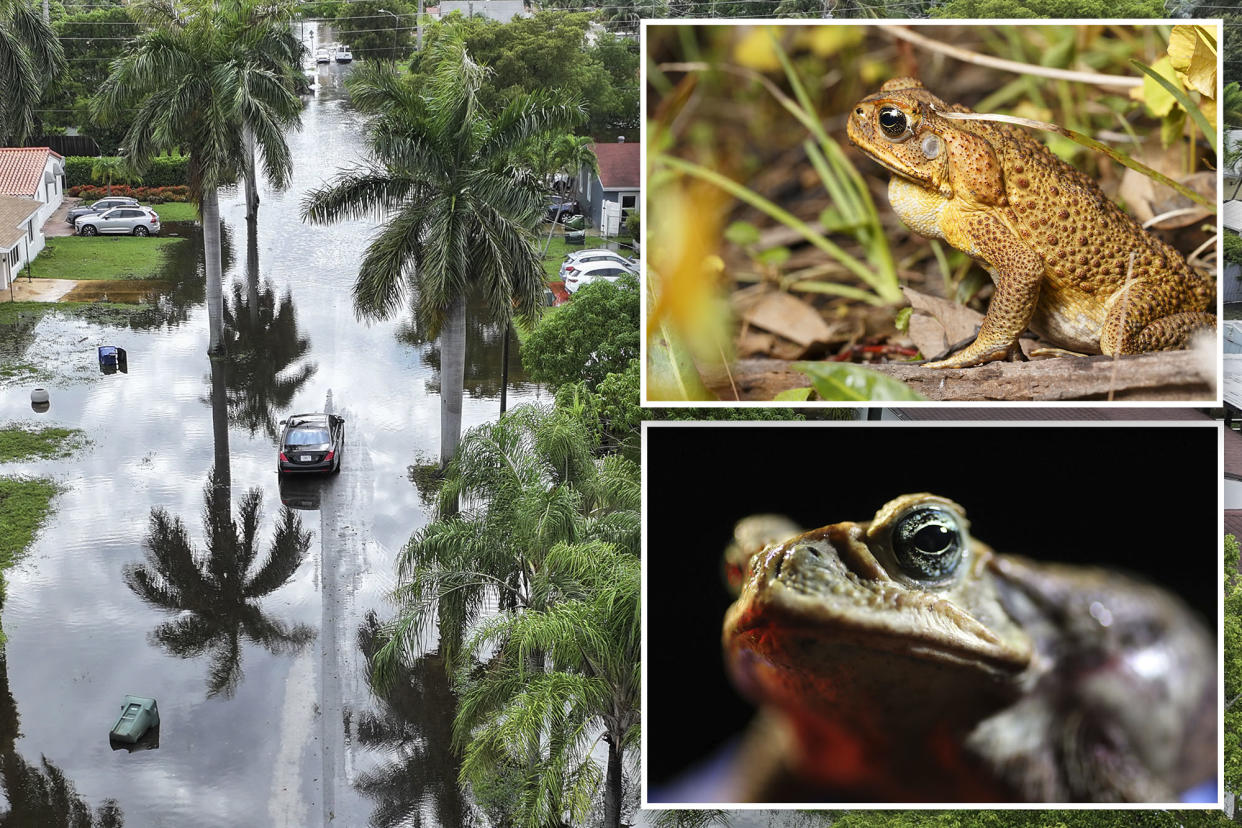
(419, 27)
(47, 12)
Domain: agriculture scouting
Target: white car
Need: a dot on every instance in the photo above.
(586, 272)
(138, 221)
(594, 254)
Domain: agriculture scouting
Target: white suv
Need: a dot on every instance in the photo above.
(139, 221)
(574, 261)
(585, 273)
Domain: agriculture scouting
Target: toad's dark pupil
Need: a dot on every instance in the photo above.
(933, 540)
(892, 121)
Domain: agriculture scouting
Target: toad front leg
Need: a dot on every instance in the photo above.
(1018, 272)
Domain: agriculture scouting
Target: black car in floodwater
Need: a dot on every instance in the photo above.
(311, 443)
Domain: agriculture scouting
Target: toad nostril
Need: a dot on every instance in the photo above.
(858, 111)
(814, 552)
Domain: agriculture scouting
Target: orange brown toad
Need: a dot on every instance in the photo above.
(902, 660)
(1066, 261)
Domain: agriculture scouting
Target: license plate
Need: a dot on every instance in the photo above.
(305, 458)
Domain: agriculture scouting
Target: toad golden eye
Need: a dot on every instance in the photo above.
(893, 122)
(927, 543)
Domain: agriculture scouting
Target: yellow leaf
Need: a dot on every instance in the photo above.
(1192, 51)
(754, 48)
(1208, 107)
(683, 236)
(1157, 98)
(826, 41)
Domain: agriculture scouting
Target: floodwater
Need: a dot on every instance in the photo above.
(253, 643)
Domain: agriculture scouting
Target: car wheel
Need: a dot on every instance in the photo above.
(89, 230)
(141, 231)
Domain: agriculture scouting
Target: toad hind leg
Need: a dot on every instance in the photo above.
(1018, 273)
(1138, 321)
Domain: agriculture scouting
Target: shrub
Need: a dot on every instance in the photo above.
(164, 171)
(153, 195)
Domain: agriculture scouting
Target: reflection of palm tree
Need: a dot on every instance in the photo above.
(484, 341)
(415, 726)
(262, 341)
(41, 794)
(216, 594)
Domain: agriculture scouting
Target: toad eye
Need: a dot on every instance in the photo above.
(928, 543)
(894, 123)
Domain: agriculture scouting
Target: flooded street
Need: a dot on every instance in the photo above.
(252, 643)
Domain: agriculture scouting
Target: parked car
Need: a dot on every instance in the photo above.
(591, 271)
(322, 56)
(561, 208)
(138, 221)
(311, 443)
(101, 206)
(594, 254)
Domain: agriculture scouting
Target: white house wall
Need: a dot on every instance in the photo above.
(50, 195)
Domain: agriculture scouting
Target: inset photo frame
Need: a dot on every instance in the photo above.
(851, 213)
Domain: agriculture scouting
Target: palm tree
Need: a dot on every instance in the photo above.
(459, 215)
(30, 58)
(215, 596)
(520, 482)
(590, 630)
(1231, 117)
(109, 167)
(531, 494)
(414, 729)
(198, 82)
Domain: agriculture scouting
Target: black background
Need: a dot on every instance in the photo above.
(1142, 498)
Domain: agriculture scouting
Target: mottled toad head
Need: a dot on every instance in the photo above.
(876, 625)
(897, 127)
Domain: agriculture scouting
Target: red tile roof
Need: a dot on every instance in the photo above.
(618, 165)
(21, 169)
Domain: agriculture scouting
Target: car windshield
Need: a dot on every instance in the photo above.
(307, 437)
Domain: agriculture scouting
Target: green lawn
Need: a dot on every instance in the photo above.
(103, 257)
(24, 505)
(175, 211)
(24, 442)
(558, 249)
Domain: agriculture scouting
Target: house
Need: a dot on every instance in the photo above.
(20, 236)
(33, 172)
(607, 197)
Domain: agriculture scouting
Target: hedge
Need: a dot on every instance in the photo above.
(164, 171)
(149, 195)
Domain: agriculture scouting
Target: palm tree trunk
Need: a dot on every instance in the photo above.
(252, 272)
(210, 208)
(612, 785)
(452, 377)
(252, 186)
(220, 426)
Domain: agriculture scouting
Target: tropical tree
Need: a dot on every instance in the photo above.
(109, 167)
(589, 628)
(459, 215)
(215, 595)
(30, 57)
(198, 81)
(534, 504)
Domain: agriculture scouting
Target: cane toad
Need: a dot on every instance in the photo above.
(1066, 261)
(903, 660)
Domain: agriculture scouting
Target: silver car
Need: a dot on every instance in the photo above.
(137, 221)
(103, 205)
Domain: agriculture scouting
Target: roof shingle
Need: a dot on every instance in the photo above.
(21, 169)
(618, 165)
(13, 213)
